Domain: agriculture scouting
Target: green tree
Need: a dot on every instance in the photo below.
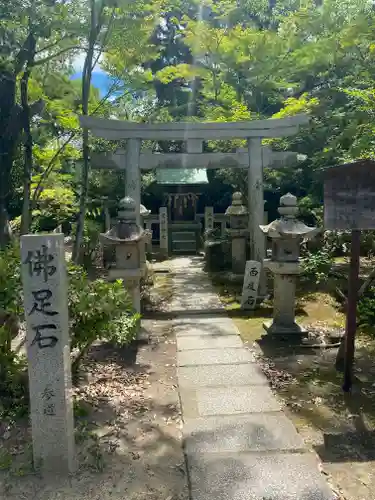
(32, 34)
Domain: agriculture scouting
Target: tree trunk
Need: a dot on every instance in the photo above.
(9, 127)
(86, 84)
(28, 154)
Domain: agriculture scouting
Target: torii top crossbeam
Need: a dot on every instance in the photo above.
(182, 131)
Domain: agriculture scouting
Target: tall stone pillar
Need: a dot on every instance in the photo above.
(133, 175)
(256, 206)
(238, 216)
(208, 218)
(163, 231)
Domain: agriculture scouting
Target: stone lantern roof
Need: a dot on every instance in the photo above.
(288, 226)
(126, 229)
(237, 208)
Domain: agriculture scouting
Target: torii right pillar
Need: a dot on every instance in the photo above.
(256, 207)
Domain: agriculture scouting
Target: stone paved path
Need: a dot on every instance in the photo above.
(238, 443)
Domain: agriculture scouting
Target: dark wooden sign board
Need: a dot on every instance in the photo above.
(349, 205)
(349, 196)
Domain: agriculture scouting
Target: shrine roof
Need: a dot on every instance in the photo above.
(181, 176)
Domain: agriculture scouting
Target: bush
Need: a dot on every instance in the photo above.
(56, 205)
(10, 281)
(366, 309)
(317, 266)
(338, 242)
(98, 310)
(217, 251)
(12, 390)
(90, 247)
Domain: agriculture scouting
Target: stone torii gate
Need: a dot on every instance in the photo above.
(254, 158)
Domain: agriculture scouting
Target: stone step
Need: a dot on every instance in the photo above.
(204, 326)
(211, 341)
(210, 401)
(241, 433)
(231, 355)
(224, 375)
(257, 476)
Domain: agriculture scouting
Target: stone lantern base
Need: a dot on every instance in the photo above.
(131, 279)
(273, 328)
(285, 277)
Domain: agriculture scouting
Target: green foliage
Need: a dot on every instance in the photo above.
(12, 380)
(55, 206)
(317, 266)
(90, 247)
(337, 243)
(98, 310)
(10, 281)
(366, 309)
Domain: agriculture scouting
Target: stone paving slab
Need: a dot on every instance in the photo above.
(193, 299)
(209, 401)
(241, 433)
(231, 355)
(238, 444)
(256, 476)
(204, 326)
(212, 341)
(198, 330)
(225, 375)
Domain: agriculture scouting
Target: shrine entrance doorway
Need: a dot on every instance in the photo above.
(182, 196)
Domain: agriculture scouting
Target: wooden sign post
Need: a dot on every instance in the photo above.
(349, 204)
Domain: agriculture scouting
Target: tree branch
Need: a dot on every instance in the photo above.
(37, 191)
(105, 37)
(52, 45)
(57, 54)
(23, 53)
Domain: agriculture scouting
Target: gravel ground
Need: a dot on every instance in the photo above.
(128, 430)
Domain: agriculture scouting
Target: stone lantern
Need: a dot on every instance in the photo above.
(129, 240)
(239, 223)
(287, 234)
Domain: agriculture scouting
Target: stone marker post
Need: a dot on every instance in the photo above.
(148, 224)
(208, 218)
(223, 227)
(163, 230)
(48, 351)
(250, 284)
(238, 216)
